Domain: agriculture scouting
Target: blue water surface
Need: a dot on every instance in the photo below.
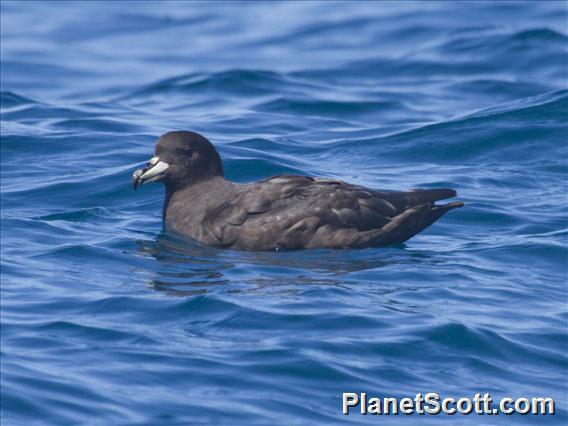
(106, 319)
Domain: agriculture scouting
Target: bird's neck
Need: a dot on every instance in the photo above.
(169, 193)
(195, 191)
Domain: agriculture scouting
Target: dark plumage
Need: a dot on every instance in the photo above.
(281, 212)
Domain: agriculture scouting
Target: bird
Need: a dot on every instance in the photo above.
(283, 212)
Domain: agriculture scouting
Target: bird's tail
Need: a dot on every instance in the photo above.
(413, 221)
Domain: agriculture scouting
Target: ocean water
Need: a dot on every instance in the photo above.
(106, 319)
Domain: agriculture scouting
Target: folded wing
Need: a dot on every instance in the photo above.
(298, 211)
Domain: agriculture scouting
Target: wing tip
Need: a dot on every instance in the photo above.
(447, 193)
(430, 195)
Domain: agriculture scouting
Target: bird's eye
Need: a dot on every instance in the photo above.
(188, 152)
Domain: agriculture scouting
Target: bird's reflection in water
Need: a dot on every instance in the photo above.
(188, 268)
(185, 267)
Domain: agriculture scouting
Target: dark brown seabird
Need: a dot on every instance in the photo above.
(281, 212)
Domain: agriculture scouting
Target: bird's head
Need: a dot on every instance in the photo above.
(180, 158)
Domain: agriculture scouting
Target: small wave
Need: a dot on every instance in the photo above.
(243, 82)
(500, 42)
(499, 89)
(494, 133)
(72, 330)
(77, 215)
(327, 108)
(98, 125)
(555, 102)
(12, 100)
(249, 169)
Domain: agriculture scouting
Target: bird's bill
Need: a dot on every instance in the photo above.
(153, 172)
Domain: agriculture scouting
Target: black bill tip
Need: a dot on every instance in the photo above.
(136, 179)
